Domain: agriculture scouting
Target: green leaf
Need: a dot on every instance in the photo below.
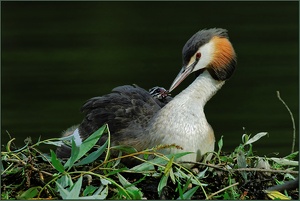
(125, 149)
(59, 141)
(117, 162)
(116, 171)
(93, 156)
(30, 193)
(283, 161)
(55, 143)
(186, 185)
(149, 165)
(188, 195)
(172, 176)
(226, 159)
(169, 166)
(92, 192)
(72, 192)
(105, 181)
(241, 162)
(146, 166)
(74, 156)
(64, 193)
(256, 137)
(162, 183)
(180, 191)
(180, 174)
(122, 193)
(56, 163)
(65, 181)
(66, 138)
(289, 176)
(226, 196)
(131, 189)
(201, 174)
(89, 190)
(292, 155)
(136, 194)
(169, 171)
(245, 138)
(276, 195)
(8, 145)
(87, 145)
(75, 189)
(103, 193)
(220, 145)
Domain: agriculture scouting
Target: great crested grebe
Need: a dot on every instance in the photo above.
(143, 120)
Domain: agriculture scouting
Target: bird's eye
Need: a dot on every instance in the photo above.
(198, 55)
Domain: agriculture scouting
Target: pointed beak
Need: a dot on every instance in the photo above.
(184, 72)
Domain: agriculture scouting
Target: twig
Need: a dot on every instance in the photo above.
(293, 121)
(42, 171)
(24, 164)
(207, 165)
(15, 161)
(265, 170)
(243, 169)
(215, 193)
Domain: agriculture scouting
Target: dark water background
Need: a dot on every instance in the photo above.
(56, 55)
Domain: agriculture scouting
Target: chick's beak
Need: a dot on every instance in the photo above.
(184, 72)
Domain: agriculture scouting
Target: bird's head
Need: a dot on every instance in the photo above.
(208, 49)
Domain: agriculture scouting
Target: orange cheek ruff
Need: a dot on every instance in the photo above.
(224, 52)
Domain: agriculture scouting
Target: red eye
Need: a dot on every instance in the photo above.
(198, 55)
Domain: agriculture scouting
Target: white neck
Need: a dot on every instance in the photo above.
(187, 107)
(200, 91)
(182, 121)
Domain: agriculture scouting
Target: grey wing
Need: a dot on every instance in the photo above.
(126, 107)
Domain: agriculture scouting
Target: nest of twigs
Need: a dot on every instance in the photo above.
(94, 174)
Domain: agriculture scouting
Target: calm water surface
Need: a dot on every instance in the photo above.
(56, 55)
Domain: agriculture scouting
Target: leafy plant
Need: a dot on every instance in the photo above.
(98, 173)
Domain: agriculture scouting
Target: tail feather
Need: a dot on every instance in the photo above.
(64, 151)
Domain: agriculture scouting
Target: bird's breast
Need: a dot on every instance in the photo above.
(185, 126)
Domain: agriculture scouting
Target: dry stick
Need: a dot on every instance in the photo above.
(207, 165)
(243, 169)
(294, 127)
(266, 170)
(215, 193)
(23, 163)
